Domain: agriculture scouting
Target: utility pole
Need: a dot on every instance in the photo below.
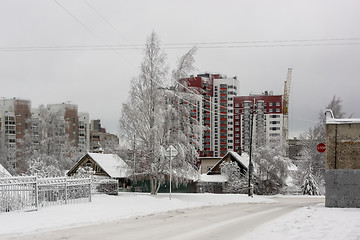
(251, 166)
(134, 157)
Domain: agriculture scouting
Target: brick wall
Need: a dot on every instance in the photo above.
(342, 174)
(343, 146)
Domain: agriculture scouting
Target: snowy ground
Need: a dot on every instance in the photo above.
(315, 222)
(105, 208)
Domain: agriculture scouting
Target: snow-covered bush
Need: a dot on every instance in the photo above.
(266, 187)
(105, 185)
(10, 203)
(44, 165)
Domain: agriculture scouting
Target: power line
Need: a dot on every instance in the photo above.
(77, 20)
(203, 45)
(105, 20)
(103, 46)
(108, 47)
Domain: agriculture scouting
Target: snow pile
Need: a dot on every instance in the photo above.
(104, 208)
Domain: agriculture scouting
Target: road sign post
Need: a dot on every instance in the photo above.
(170, 152)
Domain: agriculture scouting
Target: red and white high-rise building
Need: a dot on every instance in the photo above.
(262, 111)
(216, 114)
(226, 117)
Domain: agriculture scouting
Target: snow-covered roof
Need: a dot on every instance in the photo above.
(112, 164)
(213, 178)
(331, 120)
(4, 172)
(343, 120)
(243, 158)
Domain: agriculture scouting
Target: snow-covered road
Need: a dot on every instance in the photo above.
(232, 221)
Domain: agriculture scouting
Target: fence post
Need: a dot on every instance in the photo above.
(66, 191)
(36, 193)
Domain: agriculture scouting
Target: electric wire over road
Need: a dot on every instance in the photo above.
(203, 45)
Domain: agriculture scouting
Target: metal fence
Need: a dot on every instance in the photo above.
(32, 193)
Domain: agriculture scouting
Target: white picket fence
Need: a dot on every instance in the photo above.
(31, 193)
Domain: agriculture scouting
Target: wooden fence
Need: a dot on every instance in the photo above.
(31, 193)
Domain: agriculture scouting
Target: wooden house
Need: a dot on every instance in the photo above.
(242, 161)
(104, 165)
(212, 180)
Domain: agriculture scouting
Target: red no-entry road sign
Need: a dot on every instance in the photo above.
(321, 147)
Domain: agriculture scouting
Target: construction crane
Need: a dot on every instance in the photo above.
(285, 130)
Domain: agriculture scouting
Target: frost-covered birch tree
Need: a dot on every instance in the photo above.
(155, 118)
(141, 115)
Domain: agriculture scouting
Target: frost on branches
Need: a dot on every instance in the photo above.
(270, 167)
(154, 117)
(309, 155)
(237, 181)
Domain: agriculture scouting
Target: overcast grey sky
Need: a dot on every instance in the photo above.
(59, 51)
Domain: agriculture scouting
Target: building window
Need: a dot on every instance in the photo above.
(274, 135)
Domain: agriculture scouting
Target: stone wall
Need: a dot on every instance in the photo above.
(342, 188)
